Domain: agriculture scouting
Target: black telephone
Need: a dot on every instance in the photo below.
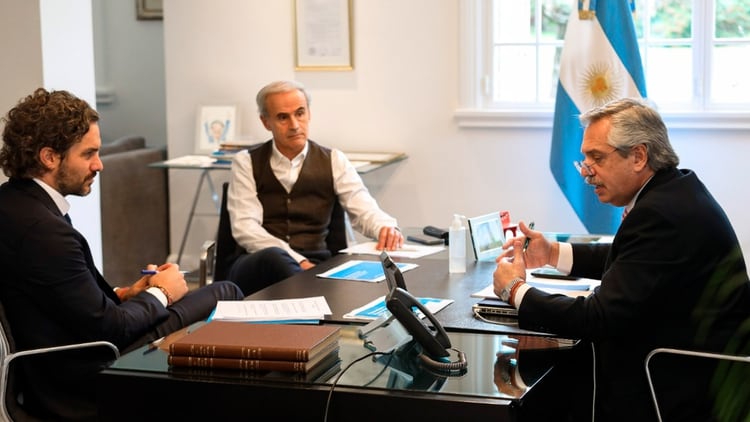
(435, 342)
(400, 302)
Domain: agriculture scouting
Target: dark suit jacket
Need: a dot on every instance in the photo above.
(674, 276)
(53, 295)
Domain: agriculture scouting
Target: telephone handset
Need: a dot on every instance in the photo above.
(399, 302)
(393, 276)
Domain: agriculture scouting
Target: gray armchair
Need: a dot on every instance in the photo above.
(134, 209)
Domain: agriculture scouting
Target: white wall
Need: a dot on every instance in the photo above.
(21, 39)
(400, 97)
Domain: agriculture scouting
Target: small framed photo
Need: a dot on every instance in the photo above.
(487, 236)
(216, 125)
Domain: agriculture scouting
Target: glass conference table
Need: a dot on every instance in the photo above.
(512, 374)
(507, 378)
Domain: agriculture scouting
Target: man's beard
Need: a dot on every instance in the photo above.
(69, 186)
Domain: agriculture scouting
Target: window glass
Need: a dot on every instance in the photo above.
(695, 53)
(527, 40)
(513, 82)
(732, 19)
(555, 18)
(669, 74)
(512, 19)
(668, 20)
(730, 52)
(730, 74)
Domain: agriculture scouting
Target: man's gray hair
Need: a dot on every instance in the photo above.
(634, 122)
(276, 88)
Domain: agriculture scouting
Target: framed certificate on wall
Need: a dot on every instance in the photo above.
(323, 34)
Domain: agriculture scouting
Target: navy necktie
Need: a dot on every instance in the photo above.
(67, 218)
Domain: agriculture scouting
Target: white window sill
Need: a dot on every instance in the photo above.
(479, 118)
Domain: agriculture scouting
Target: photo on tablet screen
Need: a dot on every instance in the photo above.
(487, 236)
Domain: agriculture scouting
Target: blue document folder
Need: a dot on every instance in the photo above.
(371, 271)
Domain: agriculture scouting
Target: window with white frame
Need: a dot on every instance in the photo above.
(695, 55)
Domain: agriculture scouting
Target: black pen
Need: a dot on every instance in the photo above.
(528, 239)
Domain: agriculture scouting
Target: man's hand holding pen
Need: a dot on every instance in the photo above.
(510, 265)
(530, 250)
(170, 281)
(167, 278)
(537, 250)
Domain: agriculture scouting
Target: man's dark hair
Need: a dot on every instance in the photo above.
(56, 119)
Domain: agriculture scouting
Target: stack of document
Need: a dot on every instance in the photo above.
(573, 288)
(305, 310)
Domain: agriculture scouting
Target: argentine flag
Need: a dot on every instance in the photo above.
(600, 62)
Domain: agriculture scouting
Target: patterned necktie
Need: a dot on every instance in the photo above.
(625, 213)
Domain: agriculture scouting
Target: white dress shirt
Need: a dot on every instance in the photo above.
(246, 211)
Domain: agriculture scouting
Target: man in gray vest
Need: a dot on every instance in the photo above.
(282, 195)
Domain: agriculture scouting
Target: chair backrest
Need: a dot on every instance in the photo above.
(740, 412)
(10, 381)
(227, 248)
(9, 408)
(337, 239)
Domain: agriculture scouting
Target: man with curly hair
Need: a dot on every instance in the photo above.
(52, 292)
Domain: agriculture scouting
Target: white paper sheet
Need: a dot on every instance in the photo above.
(311, 308)
(191, 160)
(408, 251)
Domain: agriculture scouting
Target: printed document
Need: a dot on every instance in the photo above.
(304, 309)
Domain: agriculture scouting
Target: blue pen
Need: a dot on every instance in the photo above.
(152, 272)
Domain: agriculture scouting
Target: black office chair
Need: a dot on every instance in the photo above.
(10, 408)
(216, 255)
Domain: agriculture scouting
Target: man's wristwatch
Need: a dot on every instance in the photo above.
(505, 293)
